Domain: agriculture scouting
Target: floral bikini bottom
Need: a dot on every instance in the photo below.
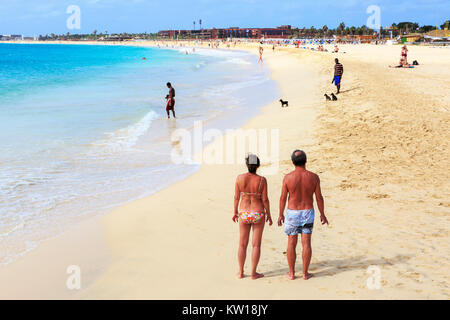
(248, 217)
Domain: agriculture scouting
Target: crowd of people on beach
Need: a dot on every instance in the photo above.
(337, 78)
(338, 68)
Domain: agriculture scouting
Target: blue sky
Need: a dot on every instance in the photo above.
(34, 17)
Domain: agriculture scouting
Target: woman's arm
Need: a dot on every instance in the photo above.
(265, 200)
(237, 197)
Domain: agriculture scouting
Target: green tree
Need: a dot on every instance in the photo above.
(325, 29)
(446, 24)
(341, 27)
(425, 29)
(408, 26)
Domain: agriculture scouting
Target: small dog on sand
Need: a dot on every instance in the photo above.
(334, 97)
(284, 103)
(327, 97)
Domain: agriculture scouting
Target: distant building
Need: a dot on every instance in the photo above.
(412, 37)
(439, 33)
(438, 36)
(117, 37)
(360, 38)
(282, 32)
(9, 37)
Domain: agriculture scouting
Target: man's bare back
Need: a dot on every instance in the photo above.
(301, 185)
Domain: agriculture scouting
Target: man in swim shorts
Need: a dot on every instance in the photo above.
(338, 72)
(300, 185)
(170, 100)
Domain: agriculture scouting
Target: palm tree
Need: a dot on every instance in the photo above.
(325, 29)
(364, 30)
(303, 33)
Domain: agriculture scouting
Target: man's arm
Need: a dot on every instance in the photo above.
(283, 198)
(237, 197)
(320, 202)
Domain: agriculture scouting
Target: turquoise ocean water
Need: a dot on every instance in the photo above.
(83, 128)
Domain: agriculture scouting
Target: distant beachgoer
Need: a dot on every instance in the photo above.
(300, 185)
(338, 72)
(404, 54)
(170, 100)
(402, 64)
(336, 49)
(261, 51)
(253, 212)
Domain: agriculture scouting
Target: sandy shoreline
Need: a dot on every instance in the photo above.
(380, 151)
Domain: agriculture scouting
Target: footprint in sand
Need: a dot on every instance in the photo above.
(377, 196)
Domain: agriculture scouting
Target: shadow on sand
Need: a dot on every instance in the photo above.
(333, 267)
(351, 89)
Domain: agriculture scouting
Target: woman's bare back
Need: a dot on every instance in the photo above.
(251, 188)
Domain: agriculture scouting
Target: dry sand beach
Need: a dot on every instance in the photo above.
(381, 152)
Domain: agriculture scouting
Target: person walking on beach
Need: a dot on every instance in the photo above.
(170, 100)
(300, 185)
(338, 72)
(253, 212)
(261, 51)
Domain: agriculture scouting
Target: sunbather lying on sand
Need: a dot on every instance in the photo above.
(403, 64)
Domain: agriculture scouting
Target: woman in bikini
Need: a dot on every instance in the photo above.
(252, 213)
(405, 54)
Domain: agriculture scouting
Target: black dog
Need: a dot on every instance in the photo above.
(327, 97)
(334, 97)
(284, 103)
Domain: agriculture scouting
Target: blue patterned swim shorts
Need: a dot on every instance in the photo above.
(299, 221)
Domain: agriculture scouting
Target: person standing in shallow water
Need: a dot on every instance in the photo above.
(170, 100)
(300, 185)
(254, 210)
